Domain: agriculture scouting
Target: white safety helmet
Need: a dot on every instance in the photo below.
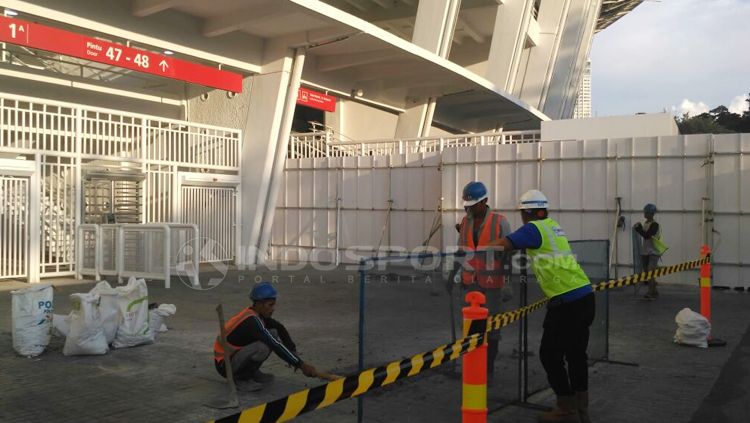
(533, 199)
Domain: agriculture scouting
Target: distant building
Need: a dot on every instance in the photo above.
(583, 102)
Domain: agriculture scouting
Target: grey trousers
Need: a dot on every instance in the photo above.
(650, 262)
(249, 358)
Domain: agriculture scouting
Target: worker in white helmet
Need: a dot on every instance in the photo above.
(570, 310)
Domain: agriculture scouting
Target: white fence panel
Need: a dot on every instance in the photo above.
(213, 211)
(582, 179)
(731, 188)
(373, 211)
(58, 208)
(14, 227)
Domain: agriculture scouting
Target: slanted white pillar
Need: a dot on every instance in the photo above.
(508, 40)
(551, 19)
(573, 51)
(266, 137)
(433, 30)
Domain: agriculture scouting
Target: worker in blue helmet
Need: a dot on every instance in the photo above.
(251, 335)
(482, 268)
(653, 247)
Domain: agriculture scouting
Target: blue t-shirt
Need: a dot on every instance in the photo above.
(527, 236)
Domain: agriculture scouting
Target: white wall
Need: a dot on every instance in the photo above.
(648, 125)
(581, 178)
(359, 122)
(219, 108)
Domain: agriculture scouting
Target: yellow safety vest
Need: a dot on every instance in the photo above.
(553, 262)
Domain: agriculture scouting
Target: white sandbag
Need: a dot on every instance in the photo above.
(32, 318)
(132, 303)
(60, 325)
(86, 336)
(159, 315)
(692, 329)
(108, 309)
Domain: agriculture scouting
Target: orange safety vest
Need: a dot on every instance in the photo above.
(489, 273)
(230, 326)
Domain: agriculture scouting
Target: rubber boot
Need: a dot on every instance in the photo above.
(582, 401)
(652, 293)
(565, 412)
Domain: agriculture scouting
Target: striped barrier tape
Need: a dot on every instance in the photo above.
(289, 407)
(504, 319)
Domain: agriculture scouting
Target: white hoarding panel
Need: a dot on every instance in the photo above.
(582, 180)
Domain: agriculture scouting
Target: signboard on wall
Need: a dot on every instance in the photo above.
(316, 100)
(42, 37)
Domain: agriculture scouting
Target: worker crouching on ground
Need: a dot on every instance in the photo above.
(570, 310)
(483, 270)
(653, 247)
(251, 335)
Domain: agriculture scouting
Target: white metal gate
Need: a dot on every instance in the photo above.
(14, 227)
(213, 209)
(61, 144)
(58, 215)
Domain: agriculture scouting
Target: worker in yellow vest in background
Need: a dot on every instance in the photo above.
(653, 247)
(570, 310)
(482, 270)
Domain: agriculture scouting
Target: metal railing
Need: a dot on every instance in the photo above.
(322, 144)
(151, 251)
(35, 125)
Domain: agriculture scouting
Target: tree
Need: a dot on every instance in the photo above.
(717, 121)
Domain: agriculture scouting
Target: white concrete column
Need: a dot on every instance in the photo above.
(573, 51)
(433, 30)
(551, 19)
(411, 123)
(265, 141)
(508, 40)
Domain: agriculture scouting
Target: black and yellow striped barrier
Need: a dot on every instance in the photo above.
(504, 319)
(287, 408)
(645, 276)
(284, 409)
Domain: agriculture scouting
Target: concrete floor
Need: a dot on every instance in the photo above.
(171, 379)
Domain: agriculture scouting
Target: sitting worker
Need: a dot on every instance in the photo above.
(251, 336)
(653, 247)
(570, 310)
(483, 270)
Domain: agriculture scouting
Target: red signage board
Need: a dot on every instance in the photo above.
(33, 35)
(316, 100)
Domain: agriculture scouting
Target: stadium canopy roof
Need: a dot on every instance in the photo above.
(613, 10)
(349, 52)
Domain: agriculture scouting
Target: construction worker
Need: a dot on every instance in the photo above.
(483, 270)
(251, 335)
(653, 247)
(570, 310)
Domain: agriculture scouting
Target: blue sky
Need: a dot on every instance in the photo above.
(679, 55)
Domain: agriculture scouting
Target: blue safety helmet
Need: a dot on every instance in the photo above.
(263, 291)
(474, 192)
(649, 208)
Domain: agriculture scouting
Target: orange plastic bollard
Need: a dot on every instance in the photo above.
(474, 397)
(705, 283)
